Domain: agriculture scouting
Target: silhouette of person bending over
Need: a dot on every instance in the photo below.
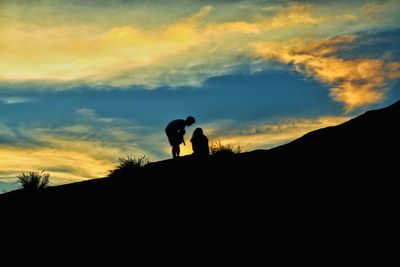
(200, 143)
(175, 131)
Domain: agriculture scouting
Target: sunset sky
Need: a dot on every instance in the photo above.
(83, 83)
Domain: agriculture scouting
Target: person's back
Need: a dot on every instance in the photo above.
(200, 143)
(175, 126)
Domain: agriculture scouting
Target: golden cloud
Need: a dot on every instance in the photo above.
(354, 82)
(66, 159)
(133, 54)
(267, 135)
(63, 164)
(294, 15)
(73, 152)
(187, 50)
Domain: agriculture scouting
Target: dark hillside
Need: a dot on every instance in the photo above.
(336, 161)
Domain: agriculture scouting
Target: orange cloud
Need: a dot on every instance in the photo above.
(354, 82)
(393, 70)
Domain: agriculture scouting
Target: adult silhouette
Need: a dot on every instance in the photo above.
(175, 131)
(200, 143)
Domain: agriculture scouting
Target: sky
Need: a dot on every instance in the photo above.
(84, 83)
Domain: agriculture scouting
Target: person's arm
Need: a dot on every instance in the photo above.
(181, 132)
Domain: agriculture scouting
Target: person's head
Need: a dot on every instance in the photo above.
(198, 132)
(190, 120)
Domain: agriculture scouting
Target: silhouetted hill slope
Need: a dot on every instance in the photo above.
(364, 145)
(375, 131)
(320, 163)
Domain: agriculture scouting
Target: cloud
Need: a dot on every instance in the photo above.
(80, 165)
(90, 115)
(354, 82)
(293, 15)
(186, 48)
(6, 133)
(393, 70)
(266, 134)
(121, 55)
(11, 100)
(131, 44)
(84, 150)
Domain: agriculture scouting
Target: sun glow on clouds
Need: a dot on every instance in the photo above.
(75, 152)
(266, 135)
(63, 165)
(354, 82)
(186, 50)
(74, 53)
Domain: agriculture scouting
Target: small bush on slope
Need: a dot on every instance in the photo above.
(220, 150)
(128, 166)
(33, 180)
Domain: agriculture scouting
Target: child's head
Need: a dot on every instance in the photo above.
(198, 132)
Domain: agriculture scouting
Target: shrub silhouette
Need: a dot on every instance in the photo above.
(219, 150)
(128, 166)
(32, 181)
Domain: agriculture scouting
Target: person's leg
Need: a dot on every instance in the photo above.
(175, 151)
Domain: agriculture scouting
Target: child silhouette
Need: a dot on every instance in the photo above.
(200, 143)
